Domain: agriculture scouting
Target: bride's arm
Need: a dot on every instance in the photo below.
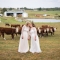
(22, 31)
(29, 34)
(35, 31)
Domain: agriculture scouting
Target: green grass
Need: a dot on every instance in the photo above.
(43, 12)
(50, 45)
(10, 20)
(33, 13)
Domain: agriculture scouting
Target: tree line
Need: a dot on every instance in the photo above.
(40, 9)
(2, 10)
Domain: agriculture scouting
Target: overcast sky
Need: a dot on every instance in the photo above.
(30, 3)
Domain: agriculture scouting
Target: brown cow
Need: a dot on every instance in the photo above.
(8, 31)
(51, 30)
(45, 30)
(0, 31)
(15, 25)
(18, 30)
(41, 31)
(7, 24)
(45, 26)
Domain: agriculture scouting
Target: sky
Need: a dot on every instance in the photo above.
(29, 3)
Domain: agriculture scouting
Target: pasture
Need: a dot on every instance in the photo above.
(50, 45)
(51, 13)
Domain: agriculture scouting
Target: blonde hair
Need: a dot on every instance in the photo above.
(28, 22)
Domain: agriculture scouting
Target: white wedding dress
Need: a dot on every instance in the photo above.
(35, 46)
(23, 43)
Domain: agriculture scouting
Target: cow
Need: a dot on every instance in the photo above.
(18, 30)
(41, 31)
(7, 24)
(45, 30)
(45, 26)
(51, 30)
(8, 31)
(0, 31)
(15, 25)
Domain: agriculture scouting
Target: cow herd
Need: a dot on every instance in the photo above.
(45, 30)
(15, 29)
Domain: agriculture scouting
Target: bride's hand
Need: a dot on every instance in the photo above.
(22, 37)
(35, 38)
(29, 38)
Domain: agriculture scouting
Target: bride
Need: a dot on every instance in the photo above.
(35, 46)
(23, 43)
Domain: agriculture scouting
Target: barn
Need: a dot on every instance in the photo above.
(17, 13)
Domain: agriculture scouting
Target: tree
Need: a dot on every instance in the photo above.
(3, 10)
(10, 8)
(25, 8)
(39, 9)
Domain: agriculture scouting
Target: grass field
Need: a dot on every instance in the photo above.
(50, 45)
(51, 13)
(43, 12)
